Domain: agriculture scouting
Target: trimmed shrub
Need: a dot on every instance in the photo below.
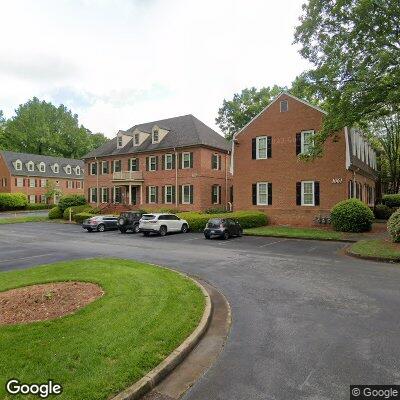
(247, 219)
(382, 211)
(216, 210)
(351, 216)
(55, 213)
(70, 201)
(80, 217)
(39, 206)
(13, 201)
(78, 209)
(391, 200)
(393, 226)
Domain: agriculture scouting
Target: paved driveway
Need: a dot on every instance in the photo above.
(307, 322)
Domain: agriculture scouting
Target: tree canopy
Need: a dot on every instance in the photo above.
(354, 46)
(39, 127)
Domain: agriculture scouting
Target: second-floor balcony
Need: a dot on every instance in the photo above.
(128, 176)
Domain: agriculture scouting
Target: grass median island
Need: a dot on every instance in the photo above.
(376, 248)
(144, 314)
(17, 220)
(292, 232)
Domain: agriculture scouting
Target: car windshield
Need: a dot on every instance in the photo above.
(147, 217)
(215, 221)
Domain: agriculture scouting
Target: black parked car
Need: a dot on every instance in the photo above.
(222, 227)
(129, 221)
(100, 223)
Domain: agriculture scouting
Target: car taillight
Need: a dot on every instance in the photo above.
(221, 226)
(92, 222)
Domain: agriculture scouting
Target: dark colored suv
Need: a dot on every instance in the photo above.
(129, 221)
(222, 227)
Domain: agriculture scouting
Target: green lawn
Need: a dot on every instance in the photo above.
(145, 314)
(291, 232)
(377, 248)
(16, 220)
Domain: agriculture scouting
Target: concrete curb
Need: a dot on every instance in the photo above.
(299, 238)
(151, 379)
(371, 258)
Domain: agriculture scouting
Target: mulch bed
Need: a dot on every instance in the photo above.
(45, 301)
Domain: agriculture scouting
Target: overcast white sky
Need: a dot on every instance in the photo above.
(118, 63)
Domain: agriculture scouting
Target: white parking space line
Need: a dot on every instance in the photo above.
(270, 244)
(27, 258)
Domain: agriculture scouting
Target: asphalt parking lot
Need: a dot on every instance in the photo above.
(307, 321)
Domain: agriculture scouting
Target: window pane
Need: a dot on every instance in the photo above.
(262, 147)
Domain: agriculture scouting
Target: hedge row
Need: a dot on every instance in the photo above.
(79, 209)
(80, 217)
(247, 219)
(13, 201)
(391, 200)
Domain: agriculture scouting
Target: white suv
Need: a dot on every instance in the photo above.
(162, 223)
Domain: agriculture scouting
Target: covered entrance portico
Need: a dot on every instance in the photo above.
(131, 194)
(128, 187)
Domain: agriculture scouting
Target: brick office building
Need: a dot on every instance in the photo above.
(268, 174)
(33, 175)
(172, 163)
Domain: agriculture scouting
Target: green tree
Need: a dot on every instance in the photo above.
(39, 127)
(2, 125)
(354, 46)
(51, 191)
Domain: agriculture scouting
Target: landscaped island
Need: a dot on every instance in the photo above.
(144, 313)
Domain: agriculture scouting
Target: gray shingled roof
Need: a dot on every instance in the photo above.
(10, 157)
(184, 131)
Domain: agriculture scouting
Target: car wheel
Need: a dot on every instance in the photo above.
(240, 234)
(226, 235)
(208, 237)
(184, 228)
(101, 228)
(146, 233)
(89, 229)
(122, 230)
(136, 228)
(163, 230)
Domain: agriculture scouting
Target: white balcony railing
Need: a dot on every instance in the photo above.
(128, 176)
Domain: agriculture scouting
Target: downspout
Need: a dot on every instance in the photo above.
(176, 178)
(226, 181)
(97, 182)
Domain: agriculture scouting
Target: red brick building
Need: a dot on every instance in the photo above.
(172, 163)
(34, 175)
(269, 175)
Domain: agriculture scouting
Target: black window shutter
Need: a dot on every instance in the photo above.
(180, 160)
(180, 194)
(162, 194)
(212, 194)
(173, 161)
(254, 148)
(269, 193)
(316, 193)
(147, 194)
(254, 194)
(156, 163)
(173, 194)
(191, 160)
(269, 146)
(219, 162)
(147, 163)
(298, 143)
(191, 194)
(219, 194)
(156, 194)
(231, 194)
(298, 193)
(163, 161)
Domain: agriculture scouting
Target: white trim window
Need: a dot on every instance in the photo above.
(93, 168)
(56, 168)
(216, 194)
(43, 198)
(79, 184)
(261, 148)
(120, 141)
(307, 141)
(215, 161)
(43, 183)
(104, 194)
(32, 199)
(3, 182)
(117, 165)
(30, 166)
(20, 182)
(68, 170)
(152, 164)
(168, 161)
(168, 194)
(42, 167)
(186, 160)
(77, 170)
(18, 165)
(284, 106)
(186, 194)
(104, 167)
(307, 193)
(69, 184)
(262, 193)
(156, 136)
(93, 195)
(32, 182)
(136, 140)
(152, 194)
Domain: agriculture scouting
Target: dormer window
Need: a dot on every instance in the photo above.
(284, 106)
(56, 168)
(77, 170)
(42, 167)
(136, 139)
(68, 169)
(156, 137)
(18, 165)
(30, 166)
(120, 141)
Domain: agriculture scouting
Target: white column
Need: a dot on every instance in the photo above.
(130, 195)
